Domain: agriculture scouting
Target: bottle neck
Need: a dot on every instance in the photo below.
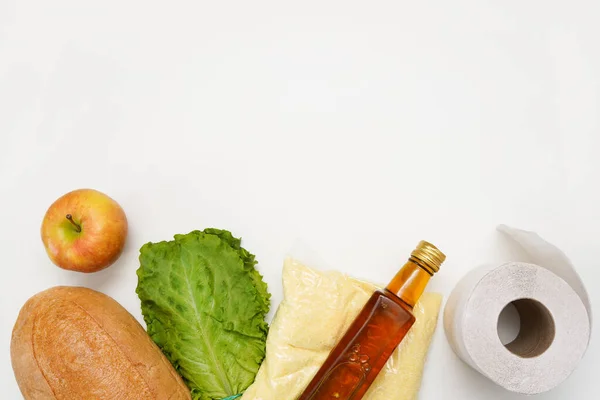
(409, 283)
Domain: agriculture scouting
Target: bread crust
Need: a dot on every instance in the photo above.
(76, 343)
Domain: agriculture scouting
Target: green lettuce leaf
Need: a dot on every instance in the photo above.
(204, 304)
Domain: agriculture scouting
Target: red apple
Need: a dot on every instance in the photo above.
(84, 230)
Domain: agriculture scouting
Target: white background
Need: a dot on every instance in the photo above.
(355, 128)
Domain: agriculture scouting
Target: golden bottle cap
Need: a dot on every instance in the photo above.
(429, 255)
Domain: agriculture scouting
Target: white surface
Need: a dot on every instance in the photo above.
(355, 128)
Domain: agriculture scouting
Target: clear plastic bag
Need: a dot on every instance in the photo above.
(316, 310)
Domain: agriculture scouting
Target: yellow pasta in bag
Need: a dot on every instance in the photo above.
(316, 310)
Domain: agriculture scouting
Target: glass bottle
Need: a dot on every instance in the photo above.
(386, 318)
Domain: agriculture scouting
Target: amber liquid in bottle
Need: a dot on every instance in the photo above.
(355, 361)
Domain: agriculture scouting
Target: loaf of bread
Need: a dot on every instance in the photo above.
(75, 343)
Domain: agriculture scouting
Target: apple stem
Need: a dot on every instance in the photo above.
(77, 226)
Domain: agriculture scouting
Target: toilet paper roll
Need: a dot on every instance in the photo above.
(555, 314)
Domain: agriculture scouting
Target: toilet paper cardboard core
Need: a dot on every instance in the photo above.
(537, 329)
